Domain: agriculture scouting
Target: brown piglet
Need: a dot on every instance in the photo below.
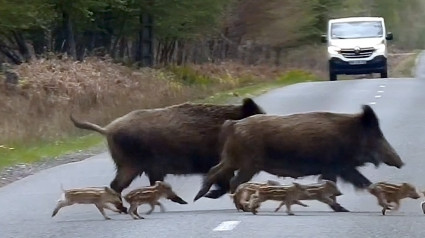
(101, 197)
(150, 195)
(388, 193)
(287, 194)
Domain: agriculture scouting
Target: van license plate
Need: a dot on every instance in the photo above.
(358, 62)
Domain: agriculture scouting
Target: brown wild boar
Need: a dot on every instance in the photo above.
(180, 139)
(150, 195)
(286, 194)
(325, 191)
(388, 193)
(303, 144)
(99, 196)
(244, 191)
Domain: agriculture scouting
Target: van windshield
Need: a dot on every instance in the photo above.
(359, 29)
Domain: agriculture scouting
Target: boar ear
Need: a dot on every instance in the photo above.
(369, 118)
(249, 107)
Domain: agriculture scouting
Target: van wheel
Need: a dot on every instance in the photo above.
(384, 74)
(332, 77)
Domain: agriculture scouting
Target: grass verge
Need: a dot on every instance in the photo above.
(406, 66)
(15, 154)
(28, 154)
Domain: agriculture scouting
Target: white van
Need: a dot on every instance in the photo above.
(357, 45)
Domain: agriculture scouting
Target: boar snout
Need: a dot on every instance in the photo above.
(415, 195)
(389, 156)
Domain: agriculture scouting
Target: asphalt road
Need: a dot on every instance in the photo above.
(26, 205)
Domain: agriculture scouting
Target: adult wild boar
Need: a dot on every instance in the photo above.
(314, 143)
(179, 139)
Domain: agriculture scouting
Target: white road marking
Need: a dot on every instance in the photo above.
(378, 96)
(380, 91)
(372, 103)
(226, 226)
(382, 86)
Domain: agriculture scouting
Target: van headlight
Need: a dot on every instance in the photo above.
(333, 50)
(380, 48)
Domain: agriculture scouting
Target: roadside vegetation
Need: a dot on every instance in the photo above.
(86, 58)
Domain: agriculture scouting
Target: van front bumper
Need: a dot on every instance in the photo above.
(375, 65)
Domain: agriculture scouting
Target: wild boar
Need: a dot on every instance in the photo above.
(180, 139)
(150, 195)
(288, 195)
(314, 143)
(388, 193)
(101, 197)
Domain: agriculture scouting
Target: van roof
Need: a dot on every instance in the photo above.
(352, 19)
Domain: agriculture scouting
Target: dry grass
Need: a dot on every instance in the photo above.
(49, 90)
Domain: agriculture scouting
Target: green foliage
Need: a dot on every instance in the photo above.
(297, 76)
(188, 76)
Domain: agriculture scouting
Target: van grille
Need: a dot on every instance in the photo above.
(362, 53)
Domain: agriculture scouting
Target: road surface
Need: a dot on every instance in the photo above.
(26, 205)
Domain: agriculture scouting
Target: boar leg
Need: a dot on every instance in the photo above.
(223, 185)
(102, 211)
(153, 177)
(300, 203)
(254, 203)
(107, 206)
(280, 205)
(60, 204)
(353, 176)
(212, 177)
(152, 208)
(123, 178)
(294, 202)
(161, 207)
(133, 212)
(243, 176)
(288, 208)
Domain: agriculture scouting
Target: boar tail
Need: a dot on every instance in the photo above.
(87, 125)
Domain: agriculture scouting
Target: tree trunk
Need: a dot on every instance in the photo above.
(278, 51)
(22, 46)
(180, 48)
(72, 49)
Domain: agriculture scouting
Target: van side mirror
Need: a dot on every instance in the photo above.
(389, 36)
(323, 39)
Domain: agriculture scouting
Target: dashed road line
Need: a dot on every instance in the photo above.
(379, 92)
(226, 226)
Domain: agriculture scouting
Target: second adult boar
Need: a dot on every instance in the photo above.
(315, 143)
(179, 139)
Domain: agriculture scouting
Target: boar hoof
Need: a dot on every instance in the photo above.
(339, 208)
(178, 200)
(214, 194)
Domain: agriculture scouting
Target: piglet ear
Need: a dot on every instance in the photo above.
(369, 118)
